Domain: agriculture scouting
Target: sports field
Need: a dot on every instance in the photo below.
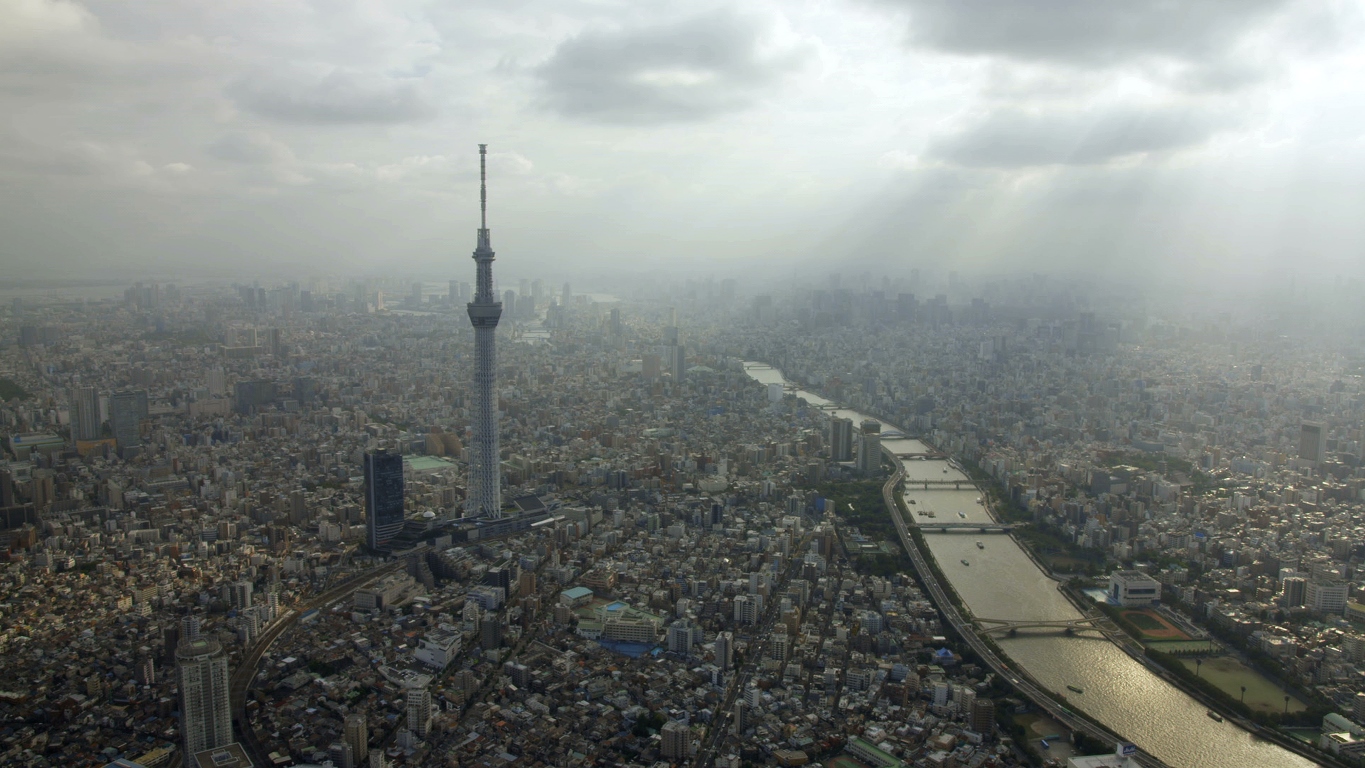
(1230, 675)
(1153, 626)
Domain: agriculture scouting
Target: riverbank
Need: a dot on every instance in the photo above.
(1007, 582)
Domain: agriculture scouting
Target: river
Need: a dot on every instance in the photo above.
(1002, 582)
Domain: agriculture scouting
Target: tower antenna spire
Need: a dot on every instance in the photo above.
(483, 187)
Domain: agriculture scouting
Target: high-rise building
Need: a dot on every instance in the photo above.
(490, 632)
(1327, 596)
(87, 426)
(126, 412)
(383, 497)
(748, 609)
(982, 716)
(419, 711)
(870, 447)
(239, 594)
(1295, 591)
(680, 636)
(677, 362)
(341, 755)
(725, 650)
(485, 481)
(779, 647)
(205, 711)
(840, 439)
(673, 740)
(1312, 442)
(357, 735)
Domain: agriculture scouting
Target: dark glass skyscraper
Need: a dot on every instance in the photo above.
(383, 497)
(126, 412)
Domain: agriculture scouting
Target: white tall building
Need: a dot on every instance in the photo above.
(748, 609)
(1327, 596)
(674, 738)
(725, 650)
(205, 709)
(419, 711)
(485, 482)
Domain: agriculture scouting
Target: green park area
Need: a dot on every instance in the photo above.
(1229, 675)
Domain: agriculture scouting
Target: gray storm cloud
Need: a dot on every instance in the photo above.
(336, 97)
(684, 71)
(1083, 31)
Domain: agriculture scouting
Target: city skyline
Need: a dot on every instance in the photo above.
(848, 514)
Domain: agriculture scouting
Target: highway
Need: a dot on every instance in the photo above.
(246, 670)
(967, 631)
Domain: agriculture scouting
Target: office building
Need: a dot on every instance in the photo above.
(1312, 442)
(383, 497)
(840, 439)
(485, 480)
(126, 412)
(1327, 596)
(1133, 589)
(870, 448)
(1294, 591)
(239, 594)
(205, 711)
(87, 422)
(490, 632)
(677, 362)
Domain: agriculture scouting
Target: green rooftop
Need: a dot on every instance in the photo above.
(427, 463)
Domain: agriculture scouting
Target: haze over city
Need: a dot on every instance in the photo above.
(605, 384)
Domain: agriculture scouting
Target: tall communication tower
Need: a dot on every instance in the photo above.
(485, 491)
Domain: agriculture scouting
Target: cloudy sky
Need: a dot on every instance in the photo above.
(226, 138)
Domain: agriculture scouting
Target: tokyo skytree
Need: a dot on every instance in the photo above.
(485, 491)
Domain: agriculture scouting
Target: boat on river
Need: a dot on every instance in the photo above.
(979, 545)
(1074, 689)
(1214, 715)
(964, 562)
